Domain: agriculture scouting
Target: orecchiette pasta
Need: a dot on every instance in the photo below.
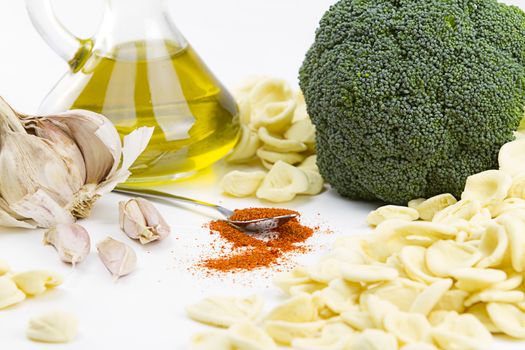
(428, 298)
(225, 311)
(443, 257)
(274, 127)
(276, 116)
(427, 208)
(301, 131)
(439, 274)
(487, 187)
(276, 143)
(507, 318)
(9, 292)
(282, 183)
(247, 146)
(512, 157)
(285, 332)
(408, 327)
(391, 212)
(242, 183)
(36, 282)
(274, 157)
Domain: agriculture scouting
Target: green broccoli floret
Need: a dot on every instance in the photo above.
(410, 97)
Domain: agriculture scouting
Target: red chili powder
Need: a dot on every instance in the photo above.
(248, 251)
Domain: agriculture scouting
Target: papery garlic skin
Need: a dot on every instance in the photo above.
(53, 168)
(71, 241)
(54, 327)
(118, 257)
(139, 219)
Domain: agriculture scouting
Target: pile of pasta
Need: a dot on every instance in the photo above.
(15, 287)
(437, 274)
(276, 133)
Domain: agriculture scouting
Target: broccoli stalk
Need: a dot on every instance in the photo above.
(410, 97)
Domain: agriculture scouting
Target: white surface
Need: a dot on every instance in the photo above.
(146, 309)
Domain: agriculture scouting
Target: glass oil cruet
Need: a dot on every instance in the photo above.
(138, 70)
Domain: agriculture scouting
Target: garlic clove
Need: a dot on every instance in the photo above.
(96, 138)
(9, 220)
(63, 144)
(43, 209)
(131, 220)
(139, 219)
(71, 241)
(36, 282)
(22, 174)
(9, 292)
(118, 257)
(54, 327)
(153, 218)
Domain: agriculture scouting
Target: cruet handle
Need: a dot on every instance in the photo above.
(72, 49)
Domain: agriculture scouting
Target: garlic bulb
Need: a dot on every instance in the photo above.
(53, 168)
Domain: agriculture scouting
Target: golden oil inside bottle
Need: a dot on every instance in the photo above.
(156, 83)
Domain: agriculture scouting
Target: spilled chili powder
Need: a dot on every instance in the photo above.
(248, 251)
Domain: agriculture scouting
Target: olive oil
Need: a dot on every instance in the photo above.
(157, 83)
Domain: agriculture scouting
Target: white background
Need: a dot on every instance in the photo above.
(146, 309)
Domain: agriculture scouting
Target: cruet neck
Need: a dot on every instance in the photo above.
(128, 21)
(139, 7)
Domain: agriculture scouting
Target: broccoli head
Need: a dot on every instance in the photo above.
(410, 97)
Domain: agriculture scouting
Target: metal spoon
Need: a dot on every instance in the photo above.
(257, 225)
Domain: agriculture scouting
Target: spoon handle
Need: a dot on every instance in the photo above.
(154, 194)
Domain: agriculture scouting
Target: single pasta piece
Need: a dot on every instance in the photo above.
(36, 282)
(246, 147)
(54, 327)
(242, 183)
(512, 157)
(9, 292)
(274, 157)
(427, 208)
(388, 212)
(283, 183)
(226, 311)
(487, 187)
(273, 142)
